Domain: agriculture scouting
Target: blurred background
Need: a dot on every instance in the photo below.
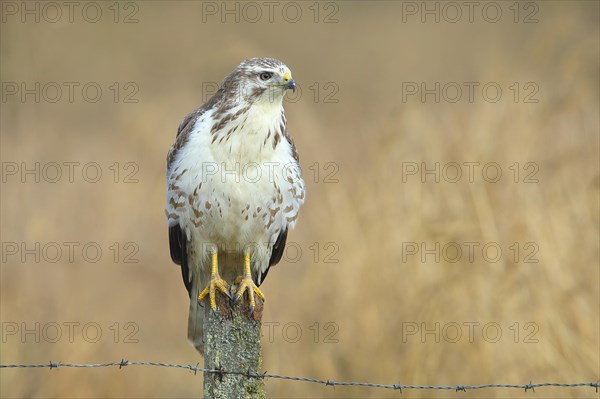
(450, 232)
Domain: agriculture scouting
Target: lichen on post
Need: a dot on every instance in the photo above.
(232, 343)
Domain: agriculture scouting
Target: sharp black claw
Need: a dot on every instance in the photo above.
(214, 312)
(251, 310)
(228, 295)
(236, 299)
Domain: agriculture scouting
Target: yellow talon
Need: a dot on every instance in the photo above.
(216, 282)
(246, 284)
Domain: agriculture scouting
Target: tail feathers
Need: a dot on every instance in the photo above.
(196, 322)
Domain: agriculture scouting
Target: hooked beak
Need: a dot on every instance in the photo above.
(288, 82)
(291, 84)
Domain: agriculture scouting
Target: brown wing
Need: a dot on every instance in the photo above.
(187, 124)
(279, 245)
(177, 237)
(289, 139)
(276, 255)
(178, 246)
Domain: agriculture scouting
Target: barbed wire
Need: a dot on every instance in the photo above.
(251, 374)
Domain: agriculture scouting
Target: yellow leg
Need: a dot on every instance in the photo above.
(246, 284)
(216, 282)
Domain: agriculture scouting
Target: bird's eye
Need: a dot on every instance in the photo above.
(266, 75)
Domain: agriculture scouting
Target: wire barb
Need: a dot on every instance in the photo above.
(249, 374)
(220, 373)
(529, 386)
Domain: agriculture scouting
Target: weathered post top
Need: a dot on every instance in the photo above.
(232, 343)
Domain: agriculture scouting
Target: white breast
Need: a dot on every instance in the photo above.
(237, 191)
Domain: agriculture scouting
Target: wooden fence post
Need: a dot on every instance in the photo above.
(232, 343)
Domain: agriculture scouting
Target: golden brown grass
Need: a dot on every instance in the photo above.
(368, 213)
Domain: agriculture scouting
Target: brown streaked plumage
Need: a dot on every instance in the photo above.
(213, 234)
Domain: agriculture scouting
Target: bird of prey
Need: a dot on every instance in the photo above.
(234, 188)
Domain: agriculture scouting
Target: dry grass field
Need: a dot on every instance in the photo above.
(413, 260)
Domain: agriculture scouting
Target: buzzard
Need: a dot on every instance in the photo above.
(234, 188)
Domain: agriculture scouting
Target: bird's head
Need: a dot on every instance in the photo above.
(258, 80)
